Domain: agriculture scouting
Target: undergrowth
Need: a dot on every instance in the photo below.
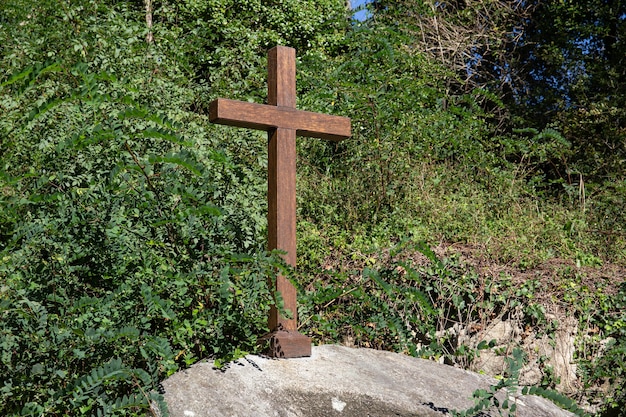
(411, 300)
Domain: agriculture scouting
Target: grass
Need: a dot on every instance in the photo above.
(509, 222)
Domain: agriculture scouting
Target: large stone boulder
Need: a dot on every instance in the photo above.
(334, 381)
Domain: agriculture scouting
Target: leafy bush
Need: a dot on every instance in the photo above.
(130, 236)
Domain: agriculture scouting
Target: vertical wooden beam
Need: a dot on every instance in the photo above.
(281, 221)
(281, 176)
(281, 77)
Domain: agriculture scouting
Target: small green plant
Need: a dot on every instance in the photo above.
(487, 399)
(557, 398)
(501, 397)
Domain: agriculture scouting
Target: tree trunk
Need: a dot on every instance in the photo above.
(149, 37)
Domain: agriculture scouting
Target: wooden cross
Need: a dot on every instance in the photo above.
(282, 121)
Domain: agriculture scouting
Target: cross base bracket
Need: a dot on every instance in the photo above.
(286, 344)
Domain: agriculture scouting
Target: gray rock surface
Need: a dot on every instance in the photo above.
(334, 381)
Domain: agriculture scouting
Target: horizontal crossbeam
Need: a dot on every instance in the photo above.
(267, 117)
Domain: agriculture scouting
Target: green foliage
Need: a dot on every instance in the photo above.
(427, 162)
(558, 399)
(609, 364)
(399, 306)
(569, 68)
(553, 68)
(128, 229)
(488, 399)
(224, 42)
(491, 399)
(132, 231)
(376, 81)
